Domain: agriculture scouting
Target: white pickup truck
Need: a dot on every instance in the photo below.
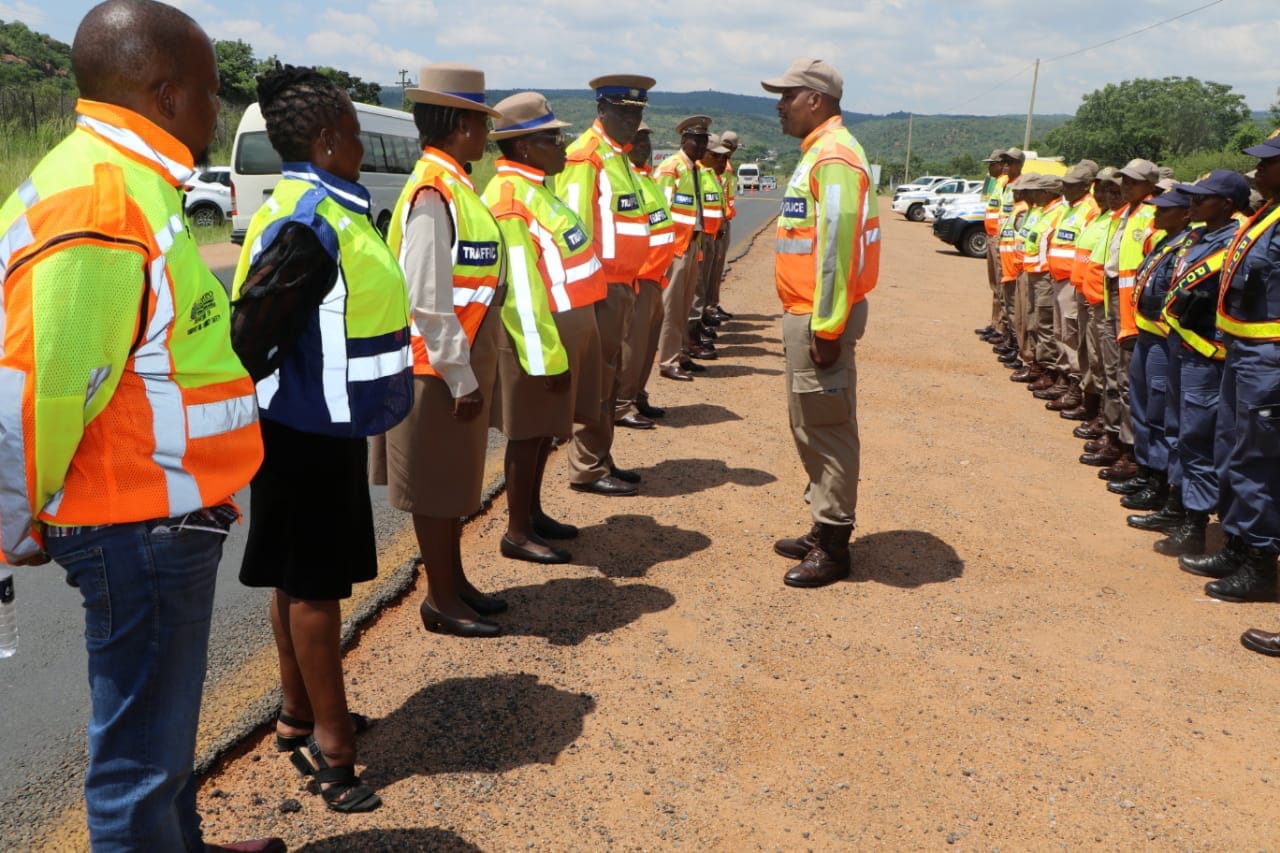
(911, 203)
(748, 177)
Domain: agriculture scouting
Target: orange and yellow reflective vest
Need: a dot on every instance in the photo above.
(678, 179)
(1010, 242)
(828, 253)
(477, 244)
(599, 185)
(1062, 242)
(1135, 244)
(712, 201)
(995, 200)
(121, 399)
(1236, 260)
(662, 234)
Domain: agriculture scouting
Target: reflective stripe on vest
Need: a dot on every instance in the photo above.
(995, 198)
(619, 228)
(1062, 242)
(675, 178)
(476, 247)
(662, 233)
(1187, 279)
(1266, 330)
(177, 431)
(356, 349)
(1137, 236)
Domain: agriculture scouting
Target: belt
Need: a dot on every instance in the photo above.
(211, 519)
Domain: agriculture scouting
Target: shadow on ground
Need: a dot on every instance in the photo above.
(726, 371)
(648, 544)
(672, 477)
(735, 349)
(566, 611)
(391, 841)
(735, 337)
(701, 414)
(474, 725)
(904, 558)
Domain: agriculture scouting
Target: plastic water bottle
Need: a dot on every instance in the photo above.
(8, 616)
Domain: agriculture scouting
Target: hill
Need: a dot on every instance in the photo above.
(28, 57)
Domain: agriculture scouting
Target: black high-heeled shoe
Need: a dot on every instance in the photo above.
(485, 605)
(512, 551)
(435, 621)
(548, 528)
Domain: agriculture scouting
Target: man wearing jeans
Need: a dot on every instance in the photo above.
(828, 259)
(126, 420)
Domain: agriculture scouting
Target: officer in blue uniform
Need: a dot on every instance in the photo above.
(1247, 446)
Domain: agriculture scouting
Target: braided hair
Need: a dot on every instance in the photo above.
(435, 123)
(296, 103)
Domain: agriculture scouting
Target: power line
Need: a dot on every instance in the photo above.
(1135, 32)
(999, 85)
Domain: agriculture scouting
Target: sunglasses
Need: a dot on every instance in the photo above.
(555, 137)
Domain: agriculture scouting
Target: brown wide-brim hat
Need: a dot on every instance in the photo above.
(522, 114)
(451, 84)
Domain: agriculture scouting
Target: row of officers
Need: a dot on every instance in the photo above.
(1149, 310)
(538, 304)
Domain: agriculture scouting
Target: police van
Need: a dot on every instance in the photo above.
(748, 177)
(390, 152)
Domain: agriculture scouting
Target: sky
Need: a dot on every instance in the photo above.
(922, 56)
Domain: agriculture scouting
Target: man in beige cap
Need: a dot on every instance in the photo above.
(600, 186)
(828, 260)
(679, 177)
(715, 314)
(994, 332)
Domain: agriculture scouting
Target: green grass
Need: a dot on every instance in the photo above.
(212, 233)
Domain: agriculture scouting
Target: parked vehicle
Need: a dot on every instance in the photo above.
(748, 177)
(923, 182)
(208, 198)
(768, 182)
(959, 223)
(912, 203)
(390, 151)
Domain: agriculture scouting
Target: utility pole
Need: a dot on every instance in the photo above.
(1035, 78)
(906, 168)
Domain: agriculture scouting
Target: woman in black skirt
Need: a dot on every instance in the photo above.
(346, 375)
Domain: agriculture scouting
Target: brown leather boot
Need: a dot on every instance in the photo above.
(1059, 388)
(1030, 373)
(1093, 428)
(1069, 399)
(798, 547)
(1046, 381)
(1124, 467)
(1105, 455)
(826, 562)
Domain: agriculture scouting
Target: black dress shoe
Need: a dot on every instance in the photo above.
(986, 330)
(635, 422)
(709, 319)
(607, 486)
(548, 528)
(674, 373)
(513, 551)
(435, 621)
(485, 605)
(649, 411)
(704, 352)
(625, 475)
(723, 314)
(692, 366)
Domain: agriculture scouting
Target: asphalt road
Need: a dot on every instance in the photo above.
(44, 688)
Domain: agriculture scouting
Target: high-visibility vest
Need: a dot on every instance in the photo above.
(1265, 329)
(1166, 252)
(1036, 233)
(1095, 245)
(662, 234)
(1135, 243)
(599, 185)
(476, 247)
(351, 371)
(995, 199)
(1010, 248)
(1204, 273)
(121, 399)
(1062, 241)
(675, 177)
(816, 271)
(729, 180)
(551, 260)
(712, 201)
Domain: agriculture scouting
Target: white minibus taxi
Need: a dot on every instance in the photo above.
(390, 151)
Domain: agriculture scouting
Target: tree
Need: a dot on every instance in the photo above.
(361, 91)
(1153, 119)
(237, 69)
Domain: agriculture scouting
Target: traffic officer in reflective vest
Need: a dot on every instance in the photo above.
(1247, 450)
(679, 178)
(993, 194)
(828, 259)
(714, 216)
(599, 184)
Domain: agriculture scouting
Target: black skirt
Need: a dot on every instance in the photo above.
(310, 518)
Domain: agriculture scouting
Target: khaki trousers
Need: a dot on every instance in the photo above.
(1090, 345)
(682, 279)
(639, 349)
(823, 409)
(710, 272)
(1040, 318)
(1115, 371)
(1008, 308)
(589, 451)
(1066, 329)
(997, 292)
(1023, 304)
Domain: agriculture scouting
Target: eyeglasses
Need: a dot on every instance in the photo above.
(551, 137)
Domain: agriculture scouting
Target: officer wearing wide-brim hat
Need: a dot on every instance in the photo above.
(451, 84)
(600, 185)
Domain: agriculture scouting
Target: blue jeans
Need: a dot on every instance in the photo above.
(1148, 382)
(148, 599)
(1247, 446)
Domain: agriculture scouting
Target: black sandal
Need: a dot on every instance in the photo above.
(288, 743)
(346, 793)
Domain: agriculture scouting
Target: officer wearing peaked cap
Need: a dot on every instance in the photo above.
(828, 260)
(714, 213)
(600, 185)
(680, 179)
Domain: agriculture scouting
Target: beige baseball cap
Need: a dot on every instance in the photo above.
(816, 74)
(1141, 170)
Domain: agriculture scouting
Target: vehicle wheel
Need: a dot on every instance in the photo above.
(916, 212)
(974, 242)
(204, 215)
(384, 222)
